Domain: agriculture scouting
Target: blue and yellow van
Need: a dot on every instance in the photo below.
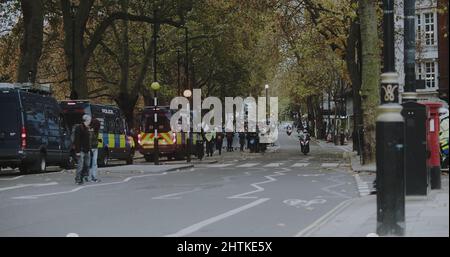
(114, 139)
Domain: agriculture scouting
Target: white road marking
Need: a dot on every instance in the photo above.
(28, 185)
(258, 188)
(193, 228)
(171, 196)
(248, 165)
(72, 235)
(81, 187)
(219, 165)
(301, 164)
(273, 165)
(298, 202)
(310, 175)
(330, 165)
(14, 178)
(363, 187)
(322, 220)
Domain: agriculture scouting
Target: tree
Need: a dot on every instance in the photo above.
(31, 43)
(87, 33)
(370, 74)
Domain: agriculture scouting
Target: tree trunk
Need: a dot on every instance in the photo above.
(353, 55)
(370, 75)
(31, 42)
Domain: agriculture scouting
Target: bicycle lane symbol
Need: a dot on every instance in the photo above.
(298, 203)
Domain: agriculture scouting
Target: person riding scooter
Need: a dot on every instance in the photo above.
(304, 141)
(289, 130)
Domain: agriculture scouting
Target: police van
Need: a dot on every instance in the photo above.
(114, 139)
(33, 133)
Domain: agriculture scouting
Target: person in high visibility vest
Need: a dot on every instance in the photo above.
(210, 137)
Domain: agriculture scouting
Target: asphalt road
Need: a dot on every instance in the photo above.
(279, 193)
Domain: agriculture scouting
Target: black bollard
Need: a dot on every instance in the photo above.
(390, 171)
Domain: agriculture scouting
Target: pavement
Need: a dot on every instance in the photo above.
(426, 216)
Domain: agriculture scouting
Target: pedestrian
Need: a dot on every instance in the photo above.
(82, 146)
(210, 139)
(230, 136)
(93, 132)
(242, 140)
(219, 142)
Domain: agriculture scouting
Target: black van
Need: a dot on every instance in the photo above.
(33, 134)
(115, 141)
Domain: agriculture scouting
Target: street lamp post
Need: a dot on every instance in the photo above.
(188, 94)
(178, 72)
(73, 12)
(390, 152)
(267, 105)
(155, 86)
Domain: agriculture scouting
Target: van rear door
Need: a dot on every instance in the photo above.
(10, 120)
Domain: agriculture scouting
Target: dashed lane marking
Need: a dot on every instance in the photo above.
(174, 196)
(330, 165)
(248, 165)
(273, 165)
(301, 164)
(220, 165)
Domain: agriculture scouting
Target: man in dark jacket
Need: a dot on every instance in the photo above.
(219, 141)
(82, 146)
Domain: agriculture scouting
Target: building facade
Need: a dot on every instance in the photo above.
(443, 29)
(431, 69)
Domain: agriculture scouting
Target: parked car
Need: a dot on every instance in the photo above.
(33, 133)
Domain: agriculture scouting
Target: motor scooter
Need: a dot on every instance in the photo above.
(304, 144)
(289, 131)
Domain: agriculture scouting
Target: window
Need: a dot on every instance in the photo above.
(429, 29)
(419, 71)
(419, 27)
(430, 75)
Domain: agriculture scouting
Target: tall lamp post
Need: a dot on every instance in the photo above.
(266, 87)
(390, 152)
(155, 87)
(73, 12)
(178, 72)
(188, 94)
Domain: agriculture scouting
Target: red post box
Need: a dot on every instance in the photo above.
(434, 161)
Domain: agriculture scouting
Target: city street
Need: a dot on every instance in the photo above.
(279, 193)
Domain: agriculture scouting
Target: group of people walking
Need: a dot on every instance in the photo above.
(215, 139)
